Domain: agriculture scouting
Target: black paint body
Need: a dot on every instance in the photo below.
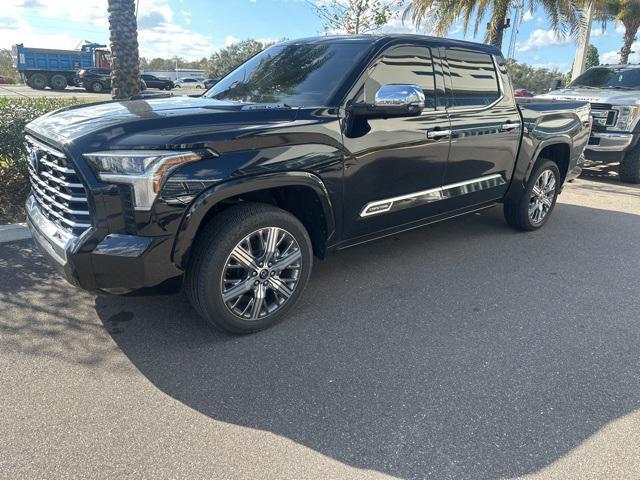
(311, 150)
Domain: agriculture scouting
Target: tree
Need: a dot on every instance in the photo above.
(125, 61)
(593, 57)
(628, 13)
(228, 58)
(354, 16)
(442, 14)
(536, 80)
(7, 67)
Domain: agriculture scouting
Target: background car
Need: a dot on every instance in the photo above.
(154, 82)
(189, 83)
(98, 80)
(210, 82)
(523, 92)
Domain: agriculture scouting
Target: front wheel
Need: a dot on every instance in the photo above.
(629, 169)
(534, 207)
(248, 267)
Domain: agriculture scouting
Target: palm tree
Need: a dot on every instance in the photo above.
(628, 13)
(442, 14)
(125, 62)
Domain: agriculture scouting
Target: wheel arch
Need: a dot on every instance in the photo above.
(303, 194)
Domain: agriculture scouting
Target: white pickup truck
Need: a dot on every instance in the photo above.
(614, 94)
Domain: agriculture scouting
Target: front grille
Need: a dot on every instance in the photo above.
(57, 188)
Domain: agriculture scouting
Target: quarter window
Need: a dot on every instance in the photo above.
(406, 65)
(473, 78)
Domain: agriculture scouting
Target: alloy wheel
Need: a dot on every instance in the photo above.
(542, 196)
(261, 273)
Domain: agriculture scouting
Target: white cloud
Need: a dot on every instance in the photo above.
(66, 23)
(540, 38)
(528, 16)
(613, 56)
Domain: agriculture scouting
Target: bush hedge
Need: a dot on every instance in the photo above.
(15, 113)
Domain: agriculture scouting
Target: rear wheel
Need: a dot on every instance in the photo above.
(38, 81)
(248, 267)
(96, 87)
(58, 82)
(537, 202)
(629, 169)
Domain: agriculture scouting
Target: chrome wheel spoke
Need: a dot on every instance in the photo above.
(283, 263)
(244, 257)
(280, 287)
(258, 300)
(271, 243)
(238, 289)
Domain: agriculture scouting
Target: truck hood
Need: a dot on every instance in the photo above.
(603, 95)
(111, 119)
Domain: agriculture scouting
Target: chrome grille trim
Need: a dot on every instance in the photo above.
(56, 188)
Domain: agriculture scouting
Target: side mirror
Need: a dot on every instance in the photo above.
(393, 100)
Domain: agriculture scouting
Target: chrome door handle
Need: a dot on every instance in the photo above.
(435, 134)
(510, 126)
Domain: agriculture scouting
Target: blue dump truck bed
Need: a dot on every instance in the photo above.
(45, 67)
(52, 60)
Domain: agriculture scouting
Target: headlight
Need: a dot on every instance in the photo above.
(144, 170)
(627, 117)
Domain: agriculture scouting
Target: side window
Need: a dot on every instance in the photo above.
(408, 65)
(474, 79)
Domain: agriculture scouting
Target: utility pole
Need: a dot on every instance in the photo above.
(582, 44)
(515, 26)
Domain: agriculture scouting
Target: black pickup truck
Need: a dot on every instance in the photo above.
(310, 147)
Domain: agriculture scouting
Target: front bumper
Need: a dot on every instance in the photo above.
(111, 263)
(610, 142)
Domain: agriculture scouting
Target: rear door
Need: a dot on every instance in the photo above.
(485, 127)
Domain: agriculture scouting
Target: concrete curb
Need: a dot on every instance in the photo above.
(14, 232)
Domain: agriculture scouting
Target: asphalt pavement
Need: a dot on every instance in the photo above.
(464, 350)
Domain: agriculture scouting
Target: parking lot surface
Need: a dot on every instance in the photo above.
(464, 350)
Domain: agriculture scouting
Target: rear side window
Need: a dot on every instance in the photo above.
(473, 78)
(406, 65)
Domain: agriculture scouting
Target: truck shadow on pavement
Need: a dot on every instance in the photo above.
(461, 350)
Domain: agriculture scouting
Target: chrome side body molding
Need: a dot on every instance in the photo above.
(433, 195)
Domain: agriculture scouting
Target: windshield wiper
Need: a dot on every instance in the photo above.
(620, 87)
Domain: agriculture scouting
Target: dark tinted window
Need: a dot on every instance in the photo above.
(474, 79)
(296, 74)
(407, 65)
(609, 77)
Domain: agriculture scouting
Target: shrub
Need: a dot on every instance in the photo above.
(15, 113)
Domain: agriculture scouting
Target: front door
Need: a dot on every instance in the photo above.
(396, 165)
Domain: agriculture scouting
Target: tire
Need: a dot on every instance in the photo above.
(213, 270)
(96, 87)
(58, 82)
(38, 81)
(629, 169)
(519, 214)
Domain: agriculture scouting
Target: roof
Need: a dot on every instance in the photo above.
(388, 38)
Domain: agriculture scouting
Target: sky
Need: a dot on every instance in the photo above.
(193, 29)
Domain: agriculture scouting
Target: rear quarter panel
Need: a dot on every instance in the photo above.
(548, 123)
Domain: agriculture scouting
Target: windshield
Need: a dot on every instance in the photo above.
(293, 74)
(609, 77)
